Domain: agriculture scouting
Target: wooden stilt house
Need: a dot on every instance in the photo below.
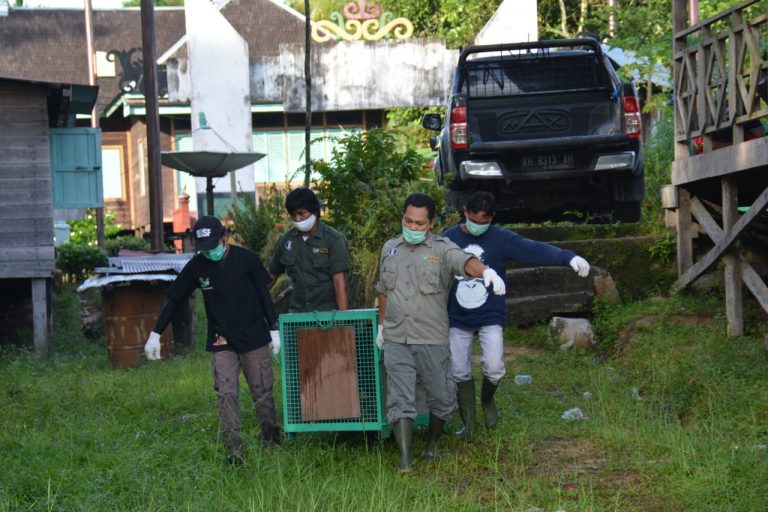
(720, 172)
(32, 115)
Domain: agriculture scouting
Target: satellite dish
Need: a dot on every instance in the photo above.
(208, 165)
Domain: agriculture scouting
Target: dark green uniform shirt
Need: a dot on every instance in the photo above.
(311, 265)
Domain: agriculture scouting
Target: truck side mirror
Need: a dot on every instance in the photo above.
(432, 122)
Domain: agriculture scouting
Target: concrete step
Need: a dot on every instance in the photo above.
(535, 294)
(548, 280)
(540, 308)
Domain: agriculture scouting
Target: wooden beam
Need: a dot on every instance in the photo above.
(740, 157)
(728, 240)
(705, 219)
(41, 333)
(733, 296)
(755, 284)
(749, 276)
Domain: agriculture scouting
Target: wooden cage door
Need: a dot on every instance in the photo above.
(328, 374)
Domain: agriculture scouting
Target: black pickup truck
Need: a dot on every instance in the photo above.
(547, 127)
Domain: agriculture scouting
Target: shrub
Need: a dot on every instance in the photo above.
(78, 260)
(83, 232)
(134, 243)
(363, 188)
(255, 226)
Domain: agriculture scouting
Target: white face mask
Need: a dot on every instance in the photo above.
(306, 224)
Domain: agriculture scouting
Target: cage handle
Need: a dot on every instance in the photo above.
(325, 325)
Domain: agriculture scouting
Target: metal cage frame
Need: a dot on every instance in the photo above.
(369, 372)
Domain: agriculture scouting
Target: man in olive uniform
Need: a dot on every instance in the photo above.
(416, 272)
(314, 255)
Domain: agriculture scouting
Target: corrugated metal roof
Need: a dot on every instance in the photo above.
(101, 281)
(143, 264)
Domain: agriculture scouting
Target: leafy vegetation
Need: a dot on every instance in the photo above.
(83, 231)
(77, 261)
(363, 188)
(133, 243)
(254, 226)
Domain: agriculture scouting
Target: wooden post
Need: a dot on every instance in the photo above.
(94, 112)
(733, 296)
(684, 235)
(153, 124)
(679, 23)
(41, 331)
(733, 86)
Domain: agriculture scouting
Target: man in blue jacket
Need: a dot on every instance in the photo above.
(471, 309)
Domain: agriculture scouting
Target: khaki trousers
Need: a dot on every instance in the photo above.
(256, 365)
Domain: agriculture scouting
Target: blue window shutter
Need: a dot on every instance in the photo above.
(185, 182)
(276, 153)
(296, 153)
(261, 172)
(296, 150)
(76, 167)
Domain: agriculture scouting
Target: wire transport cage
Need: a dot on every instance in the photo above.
(331, 372)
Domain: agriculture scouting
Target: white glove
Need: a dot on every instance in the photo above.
(491, 278)
(380, 337)
(152, 347)
(580, 266)
(275, 343)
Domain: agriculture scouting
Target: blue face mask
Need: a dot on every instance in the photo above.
(413, 237)
(214, 254)
(476, 229)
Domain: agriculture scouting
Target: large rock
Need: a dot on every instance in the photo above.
(571, 332)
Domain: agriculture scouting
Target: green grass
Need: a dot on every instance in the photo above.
(77, 435)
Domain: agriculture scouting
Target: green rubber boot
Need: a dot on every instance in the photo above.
(435, 431)
(465, 395)
(403, 430)
(488, 403)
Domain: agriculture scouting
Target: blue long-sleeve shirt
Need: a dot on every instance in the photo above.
(470, 304)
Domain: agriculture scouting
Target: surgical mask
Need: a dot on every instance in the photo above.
(306, 224)
(215, 254)
(413, 237)
(477, 229)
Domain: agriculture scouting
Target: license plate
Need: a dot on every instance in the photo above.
(547, 162)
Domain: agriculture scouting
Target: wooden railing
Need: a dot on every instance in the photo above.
(720, 69)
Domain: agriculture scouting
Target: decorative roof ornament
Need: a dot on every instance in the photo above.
(363, 21)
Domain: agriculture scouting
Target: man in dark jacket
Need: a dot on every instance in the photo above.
(241, 323)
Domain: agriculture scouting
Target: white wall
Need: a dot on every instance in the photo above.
(515, 21)
(346, 75)
(219, 88)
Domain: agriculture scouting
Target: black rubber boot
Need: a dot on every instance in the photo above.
(465, 395)
(234, 445)
(403, 430)
(489, 405)
(435, 432)
(270, 438)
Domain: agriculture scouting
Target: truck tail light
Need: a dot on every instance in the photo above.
(633, 123)
(458, 126)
